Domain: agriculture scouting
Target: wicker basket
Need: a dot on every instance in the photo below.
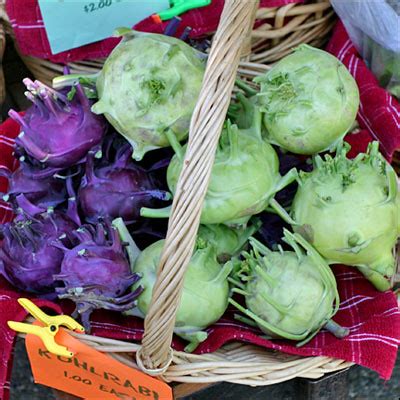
(236, 362)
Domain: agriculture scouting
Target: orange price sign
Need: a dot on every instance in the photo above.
(90, 374)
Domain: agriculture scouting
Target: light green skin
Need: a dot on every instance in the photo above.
(357, 225)
(205, 290)
(296, 285)
(289, 294)
(127, 102)
(314, 108)
(244, 177)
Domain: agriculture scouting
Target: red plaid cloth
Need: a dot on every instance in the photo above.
(27, 23)
(372, 317)
(379, 112)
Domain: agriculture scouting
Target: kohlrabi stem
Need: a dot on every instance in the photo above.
(245, 87)
(281, 212)
(30, 85)
(174, 142)
(237, 283)
(233, 135)
(80, 93)
(256, 127)
(290, 239)
(54, 93)
(132, 249)
(17, 118)
(224, 273)
(247, 232)
(318, 162)
(123, 156)
(73, 79)
(245, 320)
(244, 101)
(240, 291)
(271, 282)
(89, 168)
(28, 143)
(195, 338)
(122, 31)
(28, 208)
(155, 213)
(287, 179)
(37, 102)
(336, 329)
(185, 33)
(264, 250)
(378, 280)
(392, 184)
(172, 27)
(51, 105)
(72, 211)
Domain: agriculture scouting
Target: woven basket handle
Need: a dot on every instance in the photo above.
(207, 121)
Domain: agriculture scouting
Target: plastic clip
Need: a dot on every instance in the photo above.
(47, 332)
(178, 7)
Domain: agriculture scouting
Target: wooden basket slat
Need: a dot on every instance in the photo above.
(269, 13)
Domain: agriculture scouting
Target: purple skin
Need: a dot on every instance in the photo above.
(43, 192)
(96, 273)
(28, 259)
(55, 131)
(117, 190)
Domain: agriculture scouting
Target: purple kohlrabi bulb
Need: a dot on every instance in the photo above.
(117, 190)
(96, 273)
(56, 131)
(28, 259)
(43, 192)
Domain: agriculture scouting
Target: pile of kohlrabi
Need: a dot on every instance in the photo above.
(99, 162)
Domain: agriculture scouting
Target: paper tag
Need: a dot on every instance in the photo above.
(73, 23)
(90, 374)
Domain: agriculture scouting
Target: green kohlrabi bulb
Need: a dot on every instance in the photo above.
(289, 294)
(350, 210)
(148, 89)
(244, 178)
(309, 100)
(205, 290)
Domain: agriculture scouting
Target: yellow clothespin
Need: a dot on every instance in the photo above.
(47, 332)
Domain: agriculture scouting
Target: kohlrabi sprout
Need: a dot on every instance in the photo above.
(148, 89)
(96, 272)
(56, 131)
(205, 291)
(227, 242)
(244, 178)
(349, 210)
(117, 189)
(309, 101)
(288, 294)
